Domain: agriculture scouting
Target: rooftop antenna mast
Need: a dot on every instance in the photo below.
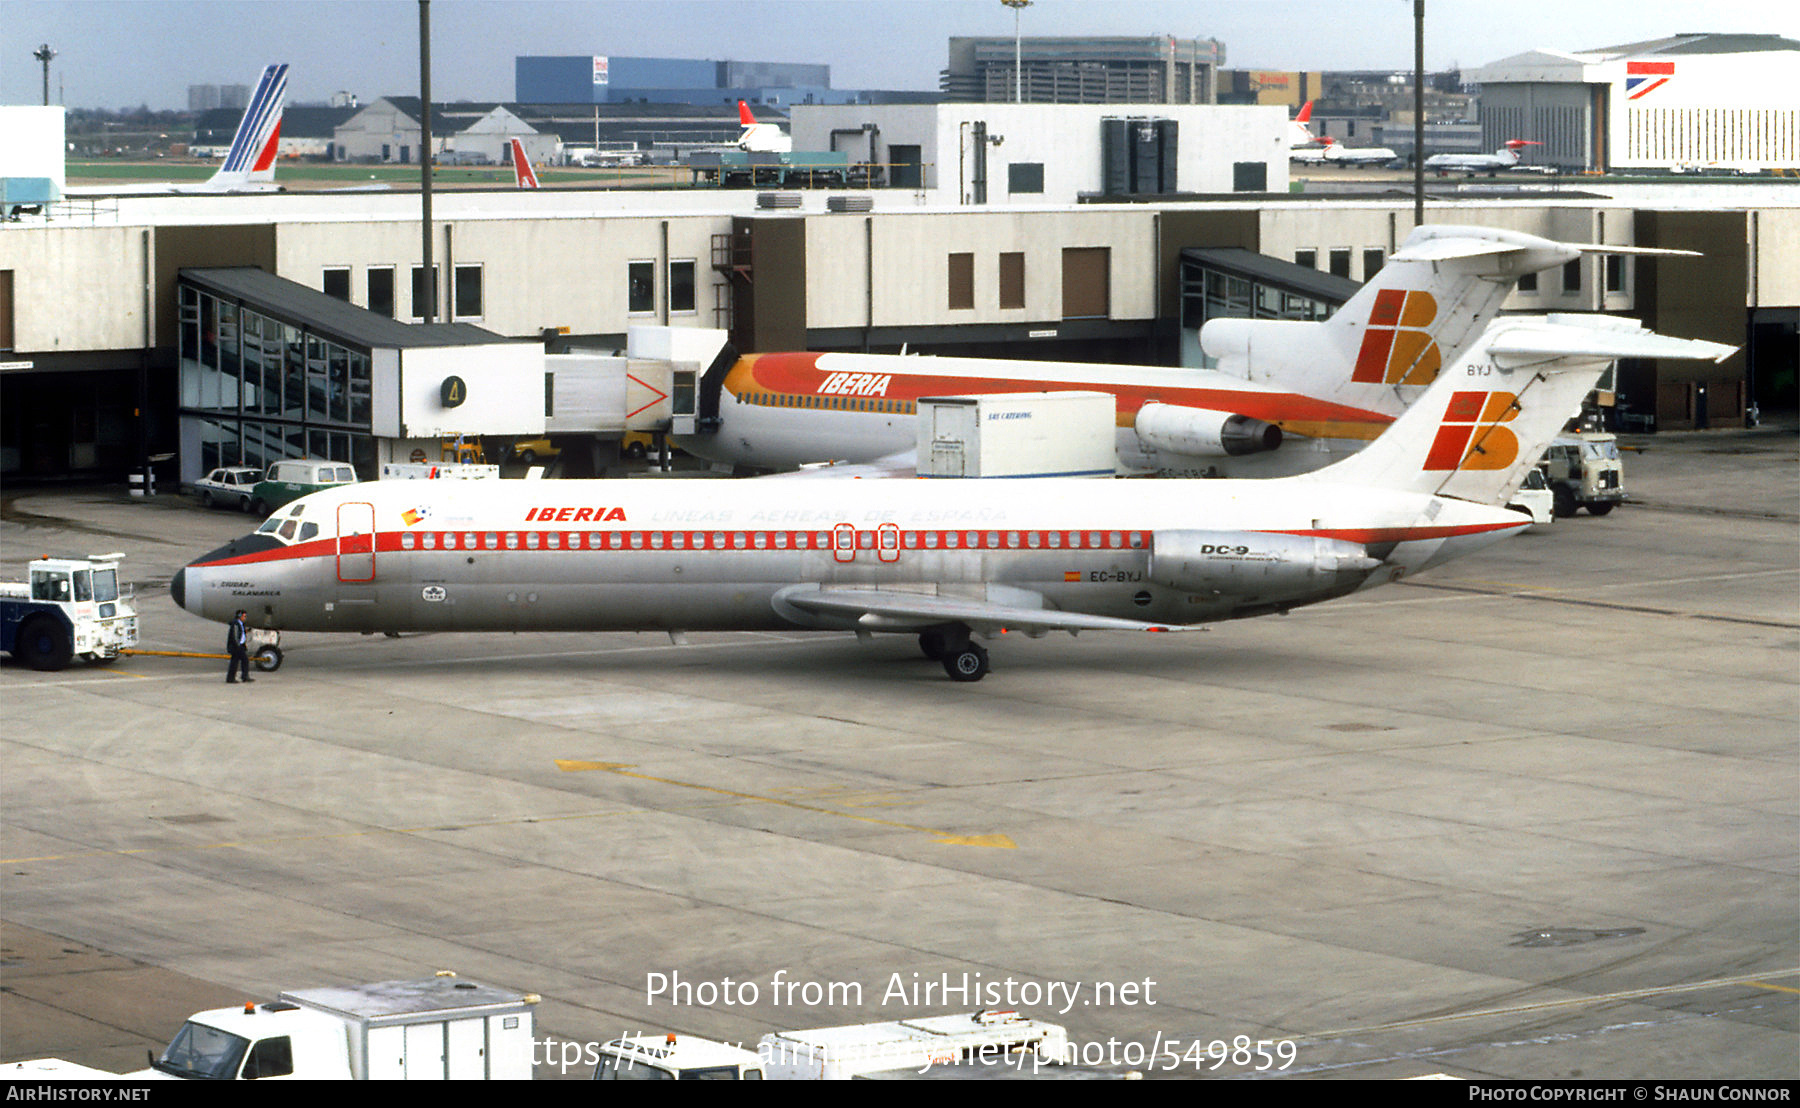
(44, 54)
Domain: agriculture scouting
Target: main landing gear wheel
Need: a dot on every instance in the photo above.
(967, 662)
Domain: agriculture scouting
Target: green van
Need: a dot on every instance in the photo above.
(294, 478)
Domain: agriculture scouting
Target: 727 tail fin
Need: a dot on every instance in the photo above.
(1486, 421)
(1431, 300)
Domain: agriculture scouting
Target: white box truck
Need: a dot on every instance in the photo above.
(439, 1028)
(1025, 434)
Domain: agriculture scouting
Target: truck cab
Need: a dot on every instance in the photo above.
(1584, 471)
(675, 1058)
(255, 1042)
(71, 608)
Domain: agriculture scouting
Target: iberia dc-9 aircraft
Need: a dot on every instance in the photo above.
(1288, 396)
(946, 560)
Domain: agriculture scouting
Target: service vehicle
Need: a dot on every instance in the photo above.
(295, 477)
(1584, 471)
(432, 1029)
(71, 608)
(1534, 497)
(232, 486)
(981, 1041)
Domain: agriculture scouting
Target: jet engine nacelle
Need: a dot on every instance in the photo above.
(1202, 432)
(1253, 566)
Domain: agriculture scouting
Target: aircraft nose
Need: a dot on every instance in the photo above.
(178, 587)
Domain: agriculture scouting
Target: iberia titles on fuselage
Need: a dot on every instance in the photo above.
(772, 407)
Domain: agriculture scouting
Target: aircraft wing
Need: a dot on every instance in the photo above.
(888, 610)
(901, 464)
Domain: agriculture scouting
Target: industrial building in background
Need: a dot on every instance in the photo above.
(1151, 69)
(1683, 103)
(605, 79)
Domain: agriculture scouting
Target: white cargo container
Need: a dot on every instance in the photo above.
(1029, 434)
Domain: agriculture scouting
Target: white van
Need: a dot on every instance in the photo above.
(295, 477)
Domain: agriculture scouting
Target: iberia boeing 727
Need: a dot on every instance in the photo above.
(1287, 397)
(948, 561)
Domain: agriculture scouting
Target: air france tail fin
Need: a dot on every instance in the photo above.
(523, 175)
(250, 163)
(1429, 302)
(1485, 422)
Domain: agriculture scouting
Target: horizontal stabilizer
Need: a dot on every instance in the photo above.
(1446, 249)
(1538, 343)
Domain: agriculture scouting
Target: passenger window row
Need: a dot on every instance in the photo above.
(846, 538)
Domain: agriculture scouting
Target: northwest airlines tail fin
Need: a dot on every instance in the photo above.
(250, 163)
(523, 175)
(1486, 421)
(1430, 301)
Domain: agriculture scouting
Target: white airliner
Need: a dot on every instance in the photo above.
(760, 136)
(524, 176)
(1311, 149)
(249, 165)
(1507, 157)
(944, 560)
(1287, 397)
(1328, 151)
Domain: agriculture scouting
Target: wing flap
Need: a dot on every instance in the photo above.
(884, 610)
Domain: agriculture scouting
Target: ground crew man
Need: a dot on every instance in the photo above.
(237, 644)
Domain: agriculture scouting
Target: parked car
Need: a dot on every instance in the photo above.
(532, 451)
(295, 477)
(232, 486)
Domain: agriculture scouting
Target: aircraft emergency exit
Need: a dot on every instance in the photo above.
(249, 164)
(948, 561)
(1288, 396)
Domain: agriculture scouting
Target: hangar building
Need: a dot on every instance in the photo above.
(1685, 102)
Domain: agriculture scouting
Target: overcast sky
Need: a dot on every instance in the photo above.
(123, 53)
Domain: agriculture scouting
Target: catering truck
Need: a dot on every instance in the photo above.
(974, 1044)
(71, 608)
(434, 1029)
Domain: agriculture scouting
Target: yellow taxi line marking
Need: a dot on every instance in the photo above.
(995, 839)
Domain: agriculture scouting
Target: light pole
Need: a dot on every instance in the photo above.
(1018, 73)
(44, 54)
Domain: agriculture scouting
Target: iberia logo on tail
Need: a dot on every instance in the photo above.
(1470, 436)
(1397, 349)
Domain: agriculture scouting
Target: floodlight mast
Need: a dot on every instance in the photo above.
(1018, 73)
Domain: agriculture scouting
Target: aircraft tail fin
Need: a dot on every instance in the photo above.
(251, 159)
(1430, 301)
(744, 115)
(1484, 423)
(1300, 131)
(524, 176)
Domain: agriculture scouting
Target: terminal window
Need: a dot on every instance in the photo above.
(640, 287)
(681, 285)
(467, 303)
(381, 290)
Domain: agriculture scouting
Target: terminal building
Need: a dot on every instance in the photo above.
(1687, 102)
(1152, 69)
(93, 311)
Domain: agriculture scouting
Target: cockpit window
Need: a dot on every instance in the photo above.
(269, 525)
(308, 531)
